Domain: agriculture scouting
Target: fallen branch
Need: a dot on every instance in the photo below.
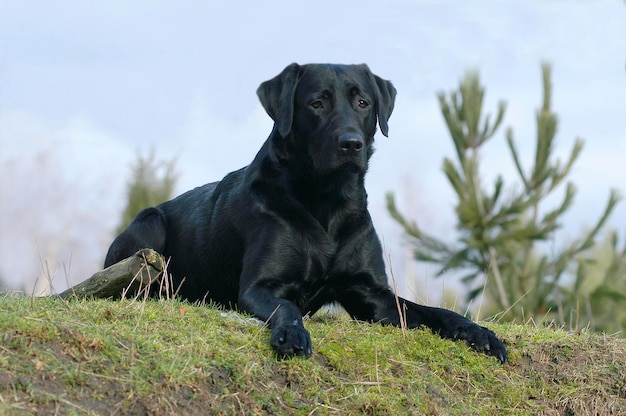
(140, 270)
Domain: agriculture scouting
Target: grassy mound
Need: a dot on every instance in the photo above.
(170, 357)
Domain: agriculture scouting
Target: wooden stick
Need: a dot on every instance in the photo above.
(140, 270)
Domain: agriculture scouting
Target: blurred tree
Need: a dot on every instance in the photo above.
(151, 184)
(499, 231)
(600, 284)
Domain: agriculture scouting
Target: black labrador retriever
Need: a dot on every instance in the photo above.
(291, 232)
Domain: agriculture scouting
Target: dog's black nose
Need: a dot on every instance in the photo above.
(351, 142)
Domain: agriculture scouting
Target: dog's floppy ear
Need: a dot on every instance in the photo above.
(385, 98)
(277, 97)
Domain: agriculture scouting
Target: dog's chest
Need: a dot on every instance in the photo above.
(323, 246)
(316, 266)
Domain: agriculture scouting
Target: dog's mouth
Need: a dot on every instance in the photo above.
(352, 166)
(328, 160)
(340, 164)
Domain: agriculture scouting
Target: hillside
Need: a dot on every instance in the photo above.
(168, 357)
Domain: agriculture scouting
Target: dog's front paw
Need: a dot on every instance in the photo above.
(290, 340)
(481, 339)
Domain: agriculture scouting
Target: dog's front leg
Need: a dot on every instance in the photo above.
(289, 337)
(381, 305)
(451, 325)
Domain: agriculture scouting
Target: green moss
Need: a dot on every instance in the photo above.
(172, 357)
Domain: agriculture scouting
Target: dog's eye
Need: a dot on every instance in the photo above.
(316, 104)
(363, 104)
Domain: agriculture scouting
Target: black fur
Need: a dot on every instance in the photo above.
(291, 232)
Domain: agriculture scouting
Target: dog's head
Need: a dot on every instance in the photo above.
(327, 113)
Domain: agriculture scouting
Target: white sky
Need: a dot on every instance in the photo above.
(85, 85)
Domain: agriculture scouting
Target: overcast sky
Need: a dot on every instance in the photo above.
(84, 86)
